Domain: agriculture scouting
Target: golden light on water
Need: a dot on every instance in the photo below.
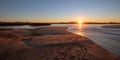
(79, 32)
(80, 24)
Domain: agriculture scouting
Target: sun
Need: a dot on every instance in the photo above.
(79, 21)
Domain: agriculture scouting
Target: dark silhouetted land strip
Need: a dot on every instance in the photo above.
(22, 23)
(44, 24)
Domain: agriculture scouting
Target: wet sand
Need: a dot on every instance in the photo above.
(49, 43)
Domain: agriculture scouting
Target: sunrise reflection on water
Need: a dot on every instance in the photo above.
(80, 24)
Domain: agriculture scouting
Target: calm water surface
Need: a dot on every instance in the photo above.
(108, 38)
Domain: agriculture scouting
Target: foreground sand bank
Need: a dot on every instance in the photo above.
(49, 43)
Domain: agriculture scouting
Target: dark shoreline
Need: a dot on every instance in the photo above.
(21, 23)
(43, 24)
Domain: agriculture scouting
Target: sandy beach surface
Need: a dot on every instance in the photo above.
(49, 43)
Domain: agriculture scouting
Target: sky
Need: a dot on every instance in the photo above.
(59, 10)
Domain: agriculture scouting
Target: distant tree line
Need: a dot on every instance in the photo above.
(39, 24)
(87, 23)
(22, 23)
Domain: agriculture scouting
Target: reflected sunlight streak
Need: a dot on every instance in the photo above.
(79, 33)
(80, 24)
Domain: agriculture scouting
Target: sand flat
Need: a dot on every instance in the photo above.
(49, 43)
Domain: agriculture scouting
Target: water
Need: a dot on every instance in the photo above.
(21, 26)
(108, 38)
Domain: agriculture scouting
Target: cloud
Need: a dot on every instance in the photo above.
(98, 9)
